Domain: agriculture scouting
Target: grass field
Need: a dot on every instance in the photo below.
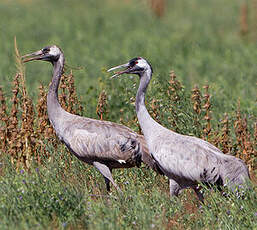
(200, 40)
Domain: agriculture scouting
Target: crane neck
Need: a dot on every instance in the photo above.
(144, 82)
(145, 120)
(57, 73)
(53, 106)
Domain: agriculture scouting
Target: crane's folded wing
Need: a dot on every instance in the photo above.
(99, 146)
(190, 159)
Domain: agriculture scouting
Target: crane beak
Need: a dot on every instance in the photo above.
(39, 55)
(126, 66)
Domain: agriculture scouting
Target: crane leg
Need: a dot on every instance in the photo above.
(106, 172)
(199, 193)
(107, 182)
(174, 188)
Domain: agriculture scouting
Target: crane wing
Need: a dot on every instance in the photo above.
(104, 142)
(188, 158)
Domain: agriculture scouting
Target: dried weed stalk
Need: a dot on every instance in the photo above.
(155, 110)
(101, 108)
(225, 140)
(13, 130)
(64, 91)
(174, 91)
(245, 145)
(68, 97)
(158, 7)
(26, 135)
(196, 98)
(244, 19)
(254, 20)
(74, 105)
(207, 113)
(174, 87)
(3, 121)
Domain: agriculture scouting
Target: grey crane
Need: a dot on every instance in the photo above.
(185, 160)
(103, 144)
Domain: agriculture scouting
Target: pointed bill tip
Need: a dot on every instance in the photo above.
(31, 56)
(37, 53)
(109, 70)
(26, 55)
(116, 75)
(117, 67)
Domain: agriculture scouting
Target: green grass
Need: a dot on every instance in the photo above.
(199, 40)
(52, 196)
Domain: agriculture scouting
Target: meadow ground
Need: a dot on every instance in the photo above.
(204, 42)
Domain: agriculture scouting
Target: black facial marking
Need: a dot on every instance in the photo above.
(46, 49)
(133, 61)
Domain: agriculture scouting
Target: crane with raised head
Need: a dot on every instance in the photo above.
(103, 144)
(185, 160)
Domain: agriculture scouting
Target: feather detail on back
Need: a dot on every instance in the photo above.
(113, 144)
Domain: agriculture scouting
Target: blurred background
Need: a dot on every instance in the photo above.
(202, 41)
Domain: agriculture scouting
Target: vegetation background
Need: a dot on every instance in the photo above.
(205, 42)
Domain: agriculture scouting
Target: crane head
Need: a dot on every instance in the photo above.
(136, 65)
(48, 53)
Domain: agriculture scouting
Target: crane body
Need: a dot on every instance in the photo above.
(103, 144)
(185, 160)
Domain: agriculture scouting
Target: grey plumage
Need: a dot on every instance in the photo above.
(103, 144)
(186, 160)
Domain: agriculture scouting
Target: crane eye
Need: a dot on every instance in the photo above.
(133, 63)
(45, 50)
